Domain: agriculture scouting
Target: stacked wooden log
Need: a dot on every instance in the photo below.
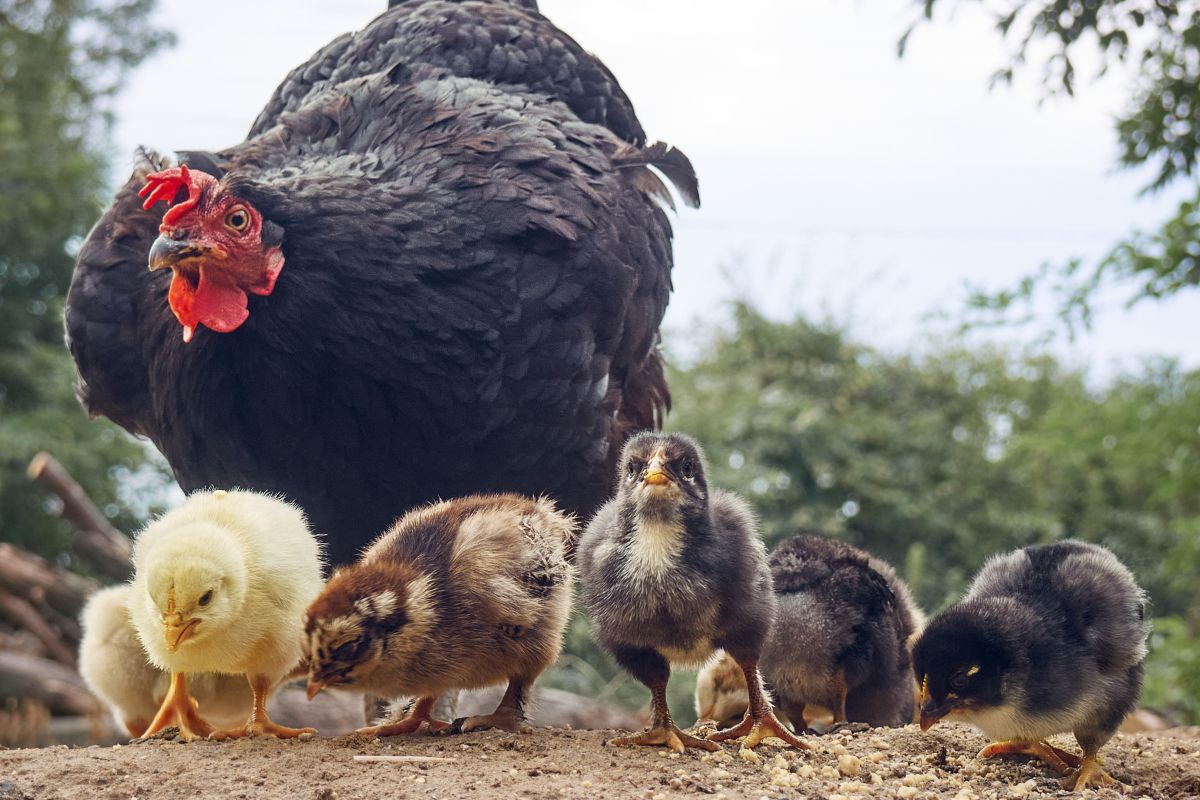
(40, 605)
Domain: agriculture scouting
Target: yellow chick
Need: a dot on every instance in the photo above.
(116, 669)
(221, 585)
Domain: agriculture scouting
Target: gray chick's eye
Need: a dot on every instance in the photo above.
(633, 469)
(206, 598)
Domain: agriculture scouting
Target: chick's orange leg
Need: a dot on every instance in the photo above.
(760, 721)
(508, 716)
(418, 716)
(260, 723)
(663, 730)
(178, 709)
(1059, 760)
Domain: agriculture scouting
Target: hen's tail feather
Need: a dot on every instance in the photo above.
(530, 4)
(668, 160)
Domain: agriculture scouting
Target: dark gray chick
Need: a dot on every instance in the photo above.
(840, 638)
(1048, 639)
(672, 571)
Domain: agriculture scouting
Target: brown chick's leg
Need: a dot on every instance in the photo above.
(1089, 774)
(178, 710)
(508, 716)
(1059, 760)
(259, 723)
(663, 730)
(418, 716)
(760, 721)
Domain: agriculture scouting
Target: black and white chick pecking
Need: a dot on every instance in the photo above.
(1049, 639)
(672, 571)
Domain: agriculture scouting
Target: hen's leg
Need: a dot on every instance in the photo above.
(652, 669)
(418, 716)
(760, 721)
(260, 723)
(178, 709)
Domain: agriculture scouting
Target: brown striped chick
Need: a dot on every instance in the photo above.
(462, 594)
(117, 670)
(220, 585)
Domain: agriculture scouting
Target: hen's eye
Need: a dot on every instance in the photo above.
(206, 598)
(959, 682)
(238, 219)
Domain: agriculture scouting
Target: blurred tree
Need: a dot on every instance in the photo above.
(1160, 127)
(61, 61)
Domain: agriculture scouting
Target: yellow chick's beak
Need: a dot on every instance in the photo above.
(655, 475)
(177, 631)
(314, 687)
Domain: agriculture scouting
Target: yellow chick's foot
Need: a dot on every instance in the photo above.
(418, 716)
(668, 735)
(179, 710)
(1089, 774)
(1058, 759)
(260, 723)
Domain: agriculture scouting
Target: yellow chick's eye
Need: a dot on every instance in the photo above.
(206, 598)
(238, 219)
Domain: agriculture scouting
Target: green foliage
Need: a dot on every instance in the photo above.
(60, 63)
(1160, 126)
(1173, 668)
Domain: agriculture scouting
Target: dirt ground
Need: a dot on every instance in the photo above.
(576, 764)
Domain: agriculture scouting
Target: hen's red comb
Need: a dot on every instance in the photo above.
(165, 185)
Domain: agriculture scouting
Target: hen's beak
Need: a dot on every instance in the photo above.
(314, 687)
(655, 474)
(167, 252)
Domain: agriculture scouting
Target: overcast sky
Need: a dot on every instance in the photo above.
(835, 178)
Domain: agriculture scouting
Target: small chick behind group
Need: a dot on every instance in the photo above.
(839, 642)
(462, 594)
(220, 585)
(1048, 639)
(114, 664)
(672, 571)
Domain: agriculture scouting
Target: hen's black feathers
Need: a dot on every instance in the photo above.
(474, 277)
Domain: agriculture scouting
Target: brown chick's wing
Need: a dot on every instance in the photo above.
(516, 547)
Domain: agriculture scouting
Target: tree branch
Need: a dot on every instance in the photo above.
(98, 542)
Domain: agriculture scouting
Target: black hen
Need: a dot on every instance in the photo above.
(440, 262)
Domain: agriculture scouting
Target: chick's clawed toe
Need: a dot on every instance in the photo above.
(668, 735)
(503, 720)
(1090, 774)
(420, 715)
(179, 711)
(755, 731)
(1060, 760)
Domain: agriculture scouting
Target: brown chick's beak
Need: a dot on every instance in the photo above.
(314, 688)
(176, 634)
